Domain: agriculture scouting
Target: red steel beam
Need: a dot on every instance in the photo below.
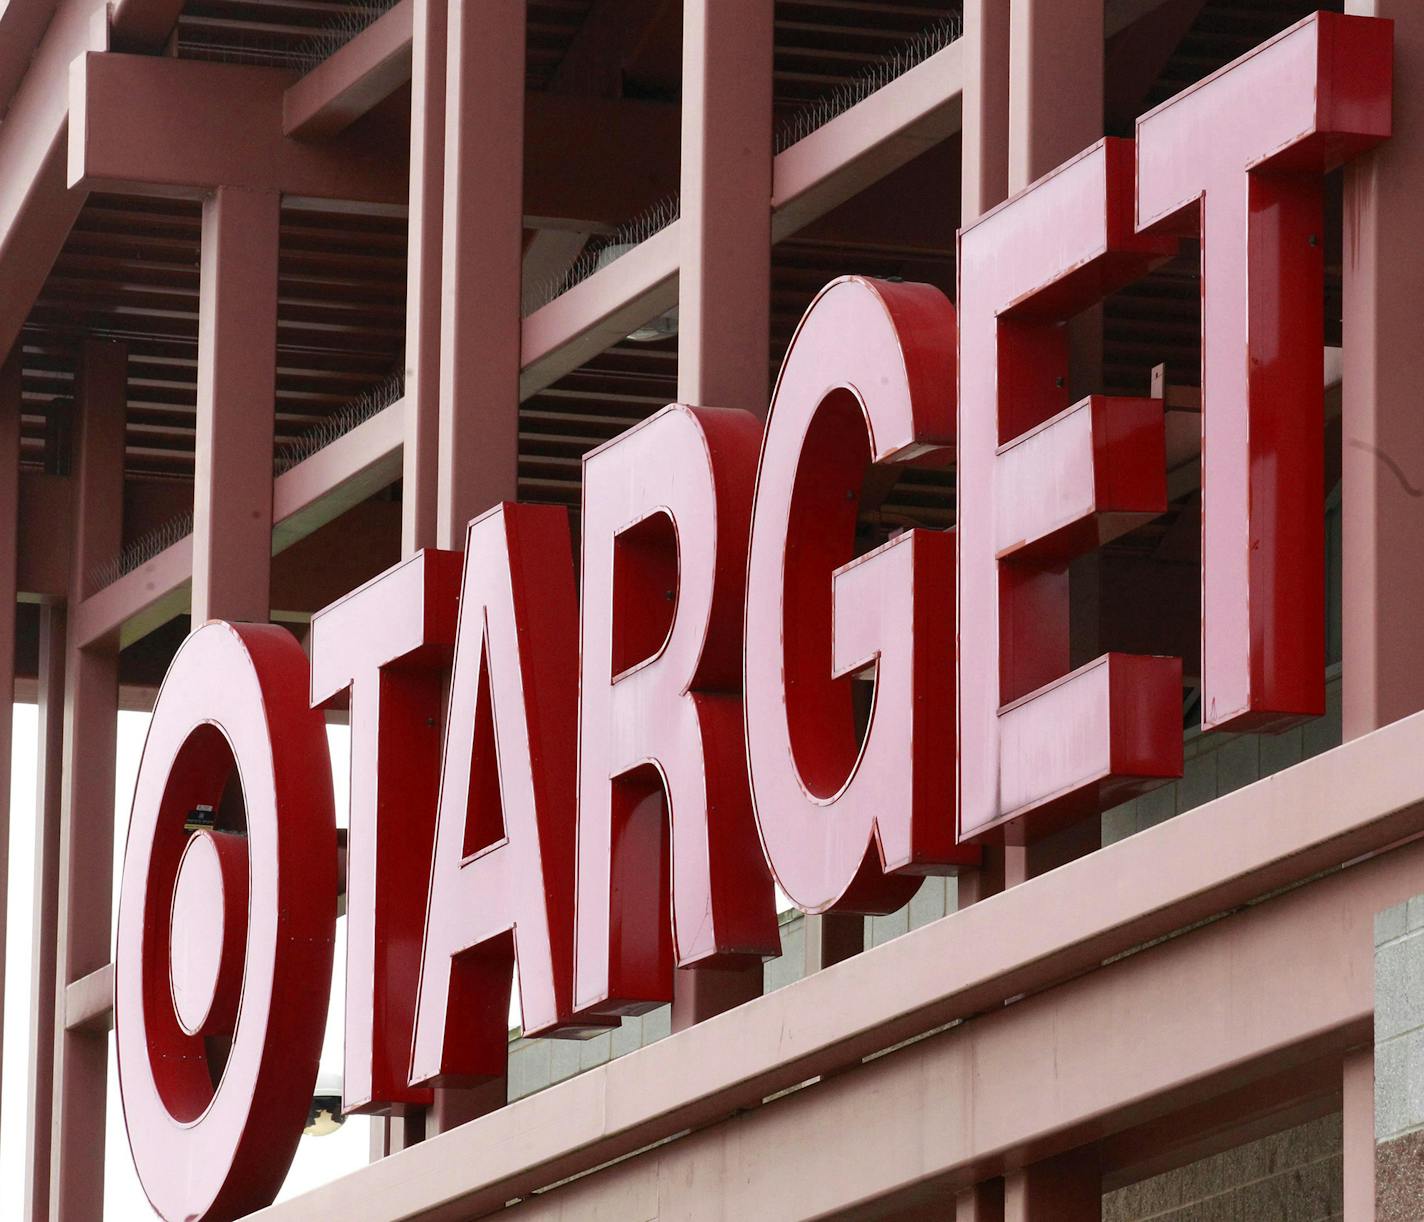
(153, 125)
(592, 161)
(39, 39)
(353, 80)
(724, 290)
(140, 24)
(37, 208)
(86, 852)
(46, 510)
(338, 476)
(862, 145)
(1308, 951)
(1381, 511)
(985, 149)
(22, 25)
(1056, 50)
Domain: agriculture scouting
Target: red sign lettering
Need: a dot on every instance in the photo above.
(609, 815)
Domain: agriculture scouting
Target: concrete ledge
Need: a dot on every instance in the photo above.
(1355, 800)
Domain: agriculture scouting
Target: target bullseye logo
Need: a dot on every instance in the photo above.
(225, 936)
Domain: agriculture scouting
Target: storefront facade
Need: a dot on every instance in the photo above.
(871, 551)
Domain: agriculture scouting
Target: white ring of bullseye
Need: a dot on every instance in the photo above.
(208, 932)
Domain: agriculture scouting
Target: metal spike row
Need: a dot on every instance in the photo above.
(360, 409)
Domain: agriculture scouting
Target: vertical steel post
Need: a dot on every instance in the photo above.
(1063, 1189)
(1055, 84)
(237, 369)
(1382, 509)
(1056, 59)
(724, 286)
(984, 181)
(1382, 468)
(425, 250)
(49, 783)
(480, 320)
(86, 836)
(10, 392)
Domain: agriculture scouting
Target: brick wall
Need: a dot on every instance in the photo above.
(1399, 1062)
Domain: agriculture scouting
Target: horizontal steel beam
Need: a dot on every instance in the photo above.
(353, 80)
(89, 1001)
(338, 476)
(304, 499)
(153, 125)
(1311, 948)
(37, 208)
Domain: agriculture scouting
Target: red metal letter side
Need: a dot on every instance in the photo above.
(665, 816)
(847, 824)
(1238, 161)
(389, 642)
(501, 881)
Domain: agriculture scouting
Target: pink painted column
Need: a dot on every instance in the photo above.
(1382, 486)
(1382, 467)
(832, 938)
(425, 253)
(50, 767)
(1056, 50)
(984, 184)
(1063, 1189)
(724, 290)
(425, 250)
(982, 1203)
(9, 551)
(86, 848)
(724, 286)
(1049, 109)
(237, 364)
(1055, 84)
(1358, 1137)
(985, 130)
(480, 321)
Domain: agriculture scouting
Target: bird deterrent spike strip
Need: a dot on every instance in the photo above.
(149, 544)
(360, 409)
(139, 552)
(869, 80)
(328, 40)
(650, 221)
(795, 127)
